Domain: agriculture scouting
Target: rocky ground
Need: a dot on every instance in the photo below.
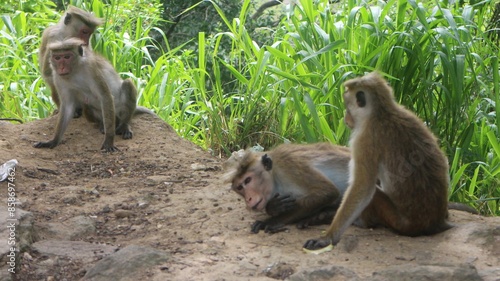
(157, 210)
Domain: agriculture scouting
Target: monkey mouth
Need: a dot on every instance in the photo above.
(254, 207)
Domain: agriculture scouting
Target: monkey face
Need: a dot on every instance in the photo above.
(256, 187)
(62, 62)
(357, 103)
(84, 33)
(348, 119)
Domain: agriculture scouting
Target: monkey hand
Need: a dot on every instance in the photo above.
(318, 246)
(48, 144)
(280, 204)
(267, 227)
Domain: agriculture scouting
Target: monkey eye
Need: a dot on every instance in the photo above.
(85, 31)
(239, 187)
(66, 57)
(248, 180)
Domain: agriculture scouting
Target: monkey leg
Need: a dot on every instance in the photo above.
(126, 109)
(382, 211)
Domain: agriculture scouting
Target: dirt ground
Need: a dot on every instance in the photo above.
(162, 191)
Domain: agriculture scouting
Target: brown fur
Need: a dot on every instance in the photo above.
(71, 25)
(293, 184)
(88, 82)
(389, 143)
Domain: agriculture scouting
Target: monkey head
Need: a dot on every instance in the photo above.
(81, 23)
(363, 96)
(251, 177)
(64, 55)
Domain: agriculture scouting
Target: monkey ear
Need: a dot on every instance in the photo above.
(267, 162)
(361, 99)
(67, 19)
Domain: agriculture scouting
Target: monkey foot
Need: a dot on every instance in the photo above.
(318, 251)
(127, 134)
(107, 149)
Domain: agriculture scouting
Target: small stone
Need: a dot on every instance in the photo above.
(120, 213)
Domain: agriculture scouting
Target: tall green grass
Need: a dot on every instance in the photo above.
(233, 92)
(437, 58)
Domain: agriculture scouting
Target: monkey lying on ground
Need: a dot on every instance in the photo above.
(84, 78)
(392, 146)
(293, 183)
(76, 23)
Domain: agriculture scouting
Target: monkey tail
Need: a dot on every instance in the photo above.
(462, 207)
(143, 110)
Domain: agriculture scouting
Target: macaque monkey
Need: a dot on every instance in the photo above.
(293, 183)
(76, 23)
(82, 77)
(124, 97)
(391, 146)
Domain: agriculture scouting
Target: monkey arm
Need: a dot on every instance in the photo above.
(65, 115)
(359, 194)
(306, 210)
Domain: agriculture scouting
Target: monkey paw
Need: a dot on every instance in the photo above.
(280, 204)
(319, 251)
(124, 130)
(110, 148)
(267, 227)
(48, 144)
(318, 244)
(127, 134)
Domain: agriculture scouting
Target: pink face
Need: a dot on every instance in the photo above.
(255, 189)
(63, 61)
(84, 34)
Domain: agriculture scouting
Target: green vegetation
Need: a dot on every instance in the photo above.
(230, 92)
